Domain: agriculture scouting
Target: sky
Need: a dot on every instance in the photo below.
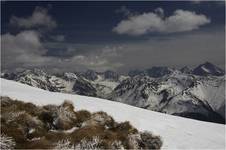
(119, 36)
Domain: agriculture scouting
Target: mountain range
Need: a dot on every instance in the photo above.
(197, 93)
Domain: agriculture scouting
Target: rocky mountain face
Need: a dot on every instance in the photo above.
(197, 93)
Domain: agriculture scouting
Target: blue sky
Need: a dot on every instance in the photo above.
(111, 35)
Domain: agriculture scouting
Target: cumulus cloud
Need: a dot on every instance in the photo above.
(156, 21)
(39, 18)
(27, 50)
(25, 47)
(26, 41)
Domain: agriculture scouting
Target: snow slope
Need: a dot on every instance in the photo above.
(176, 132)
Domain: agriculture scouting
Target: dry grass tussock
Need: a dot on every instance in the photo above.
(27, 126)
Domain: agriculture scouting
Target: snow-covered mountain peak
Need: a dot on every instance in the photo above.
(70, 76)
(208, 69)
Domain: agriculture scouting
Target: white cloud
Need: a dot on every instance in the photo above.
(83, 62)
(26, 41)
(39, 18)
(26, 50)
(180, 21)
(185, 21)
(99, 61)
(23, 48)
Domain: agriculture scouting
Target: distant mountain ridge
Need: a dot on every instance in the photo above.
(204, 69)
(195, 93)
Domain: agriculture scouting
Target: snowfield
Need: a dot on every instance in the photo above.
(176, 132)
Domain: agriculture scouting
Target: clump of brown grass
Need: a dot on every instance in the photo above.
(82, 116)
(48, 127)
(151, 141)
(61, 117)
(9, 105)
(100, 118)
